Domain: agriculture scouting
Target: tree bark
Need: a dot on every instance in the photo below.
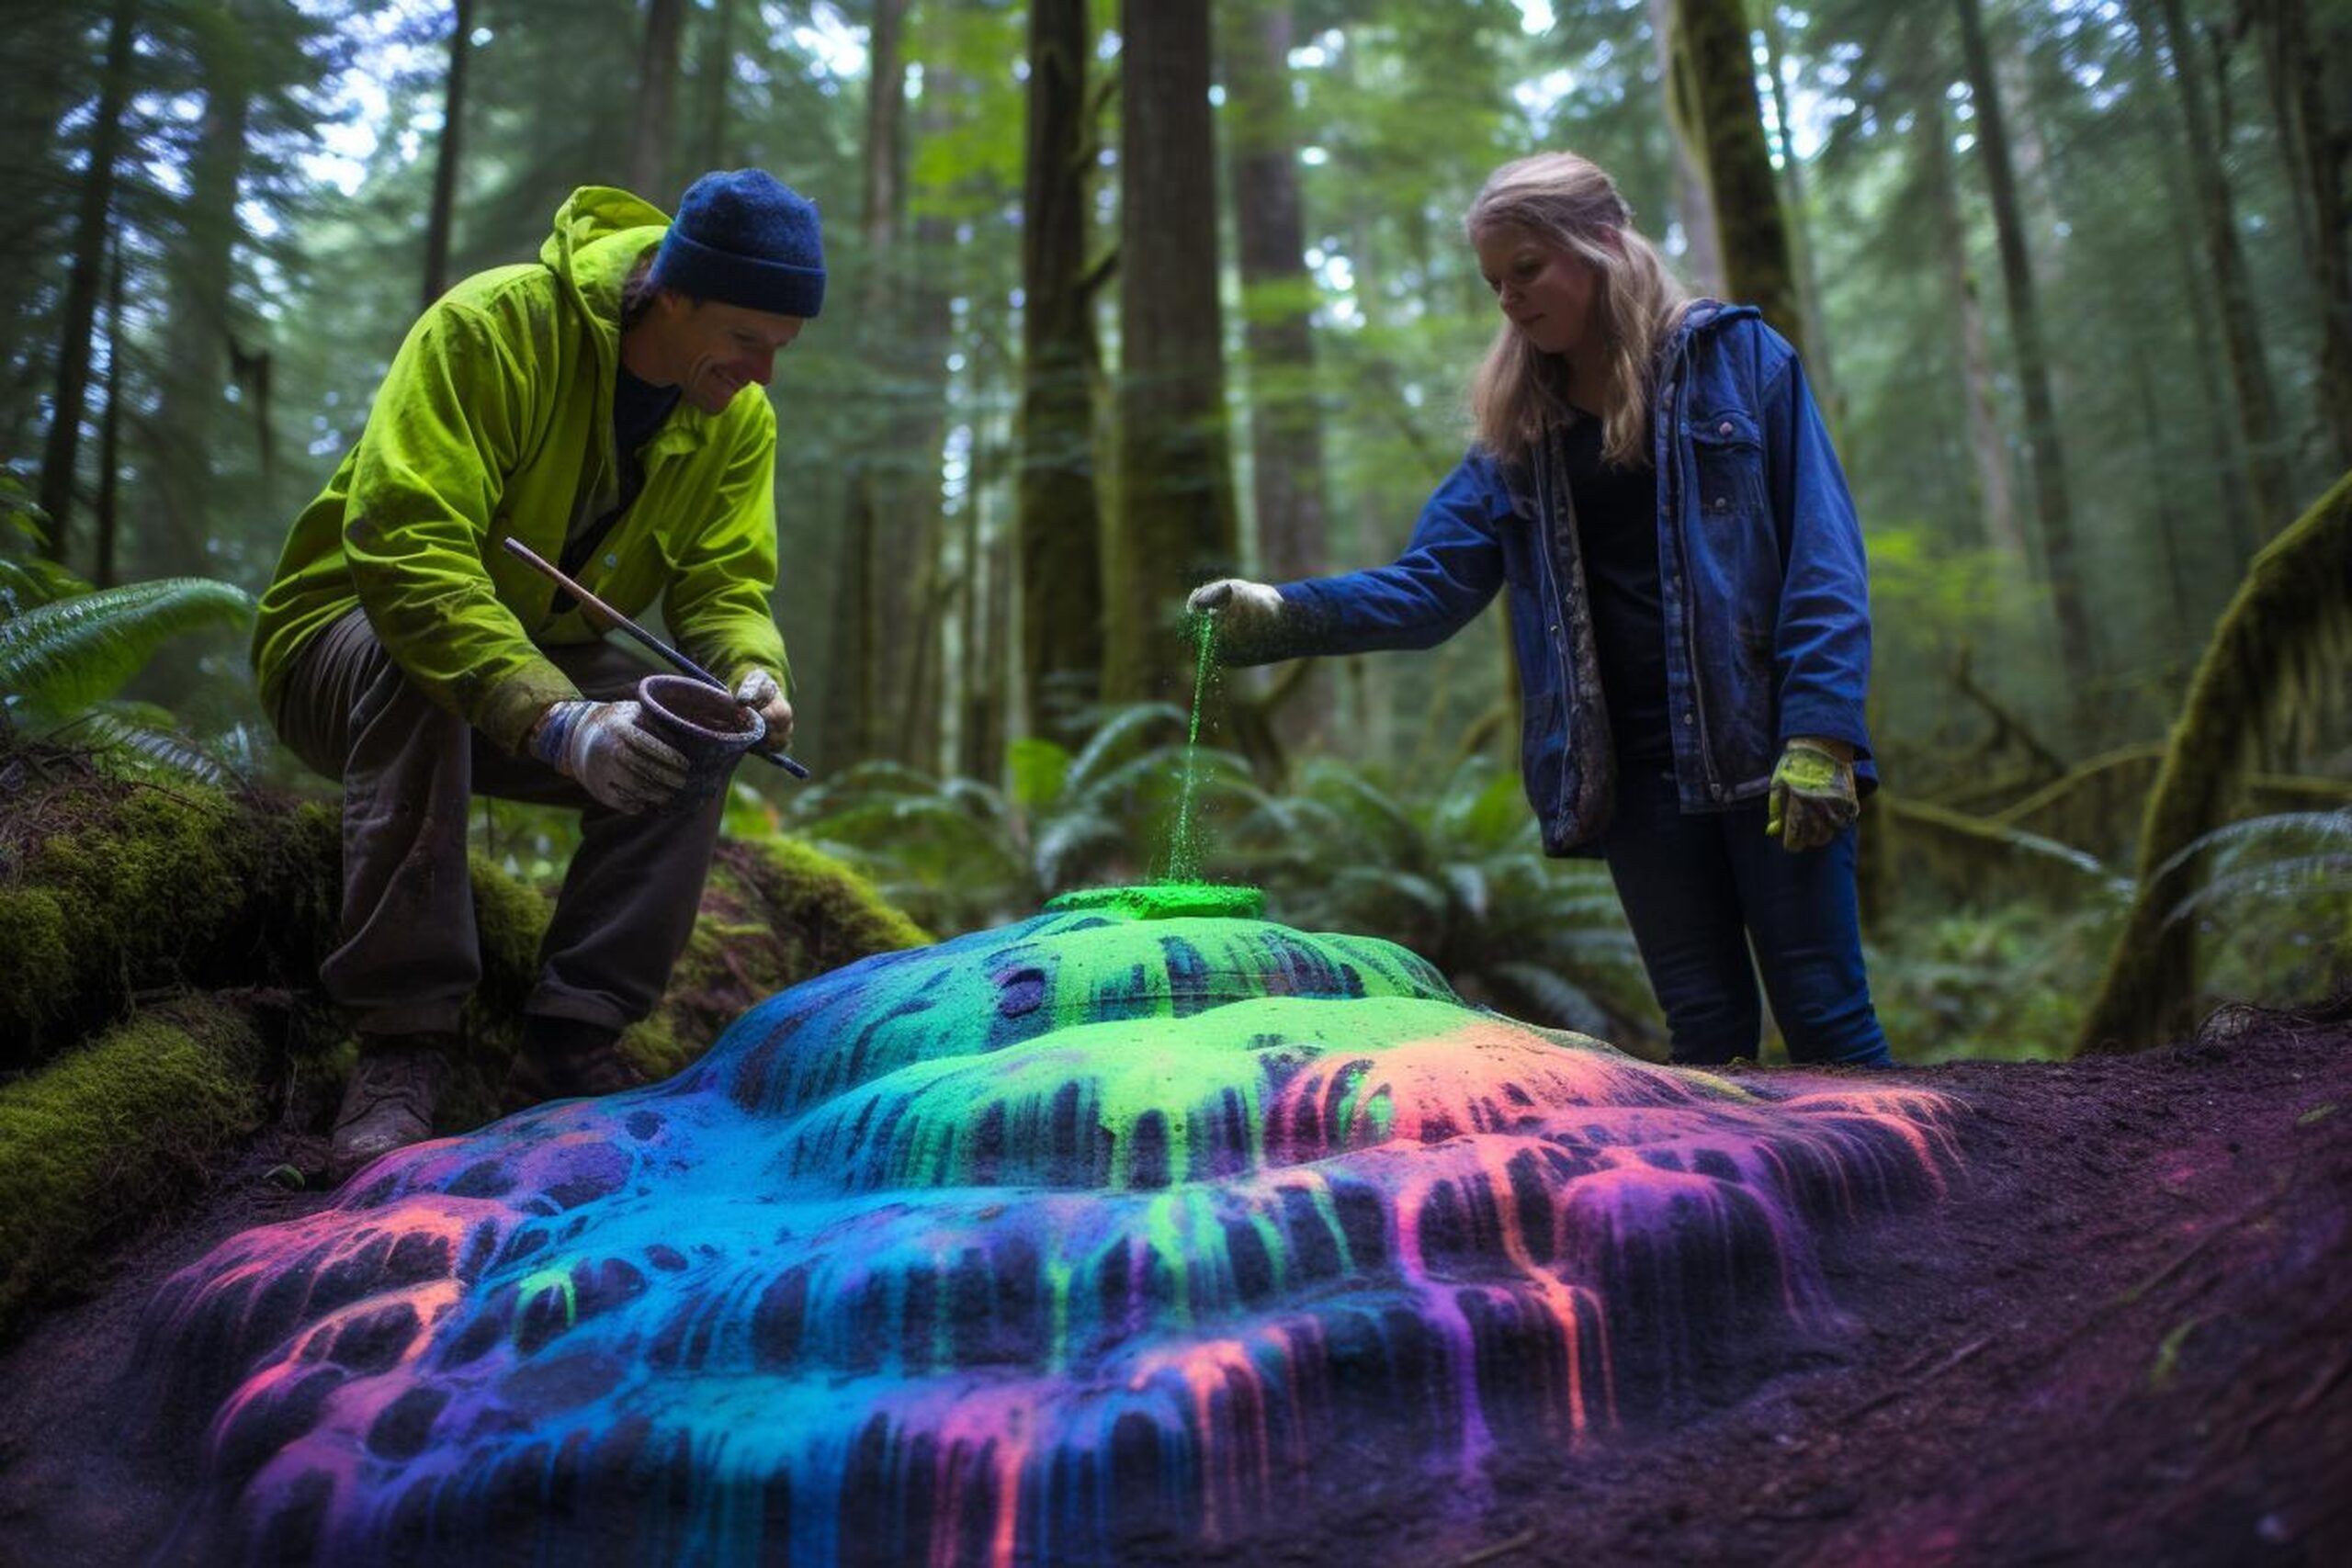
(441, 219)
(2004, 532)
(1702, 255)
(2257, 405)
(657, 94)
(90, 232)
(1714, 96)
(1278, 301)
(110, 429)
(185, 430)
(1060, 522)
(712, 77)
(861, 683)
(1819, 367)
(2044, 460)
(1175, 521)
(2309, 81)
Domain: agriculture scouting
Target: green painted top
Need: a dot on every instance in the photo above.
(1165, 901)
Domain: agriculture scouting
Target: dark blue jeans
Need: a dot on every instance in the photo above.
(1700, 889)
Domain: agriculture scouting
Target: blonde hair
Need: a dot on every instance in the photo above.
(1517, 392)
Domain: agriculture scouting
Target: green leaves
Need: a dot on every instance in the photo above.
(63, 655)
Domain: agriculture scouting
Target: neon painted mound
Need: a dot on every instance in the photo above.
(1094, 1228)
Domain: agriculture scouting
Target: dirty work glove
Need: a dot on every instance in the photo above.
(1249, 616)
(1812, 796)
(602, 747)
(764, 694)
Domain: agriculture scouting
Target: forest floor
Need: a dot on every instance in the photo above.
(2123, 1335)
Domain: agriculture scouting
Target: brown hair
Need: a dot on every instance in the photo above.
(1569, 202)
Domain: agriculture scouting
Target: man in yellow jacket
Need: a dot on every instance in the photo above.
(593, 405)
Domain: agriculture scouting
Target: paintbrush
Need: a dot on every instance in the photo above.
(588, 600)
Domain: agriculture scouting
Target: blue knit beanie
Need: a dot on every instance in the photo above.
(742, 238)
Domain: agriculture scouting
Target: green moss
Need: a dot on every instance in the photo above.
(130, 889)
(93, 1142)
(775, 913)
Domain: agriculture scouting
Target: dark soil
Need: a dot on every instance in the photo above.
(2124, 1335)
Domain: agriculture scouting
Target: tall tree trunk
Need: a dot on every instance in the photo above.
(1059, 519)
(861, 684)
(2044, 460)
(185, 434)
(2311, 79)
(1819, 367)
(1715, 96)
(110, 429)
(657, 92)
(2234, 292)
(1278, 303)
(1702, 256)
(49, 39)
(82, 284)
(2004, 533)
(2222, 435)
(441, 219)
(1175, 521)
(712, 77)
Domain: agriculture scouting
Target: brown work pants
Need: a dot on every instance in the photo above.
(410, 954)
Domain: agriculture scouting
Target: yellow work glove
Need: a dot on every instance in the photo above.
(1812, 796)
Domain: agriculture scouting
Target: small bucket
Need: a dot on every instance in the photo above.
(707, 726)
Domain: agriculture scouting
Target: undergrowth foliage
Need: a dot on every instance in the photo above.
(67, 647)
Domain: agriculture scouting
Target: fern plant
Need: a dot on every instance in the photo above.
(1460, 877)
(66, 649)
(958, 854)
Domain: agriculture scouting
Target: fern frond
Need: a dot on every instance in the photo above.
(65, 654)
(1125, 728)
(146, 750)
(2300, 876)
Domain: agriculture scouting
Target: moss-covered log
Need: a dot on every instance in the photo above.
(96, 1142)
(2278, 659)
(112, 894)
(109, 889)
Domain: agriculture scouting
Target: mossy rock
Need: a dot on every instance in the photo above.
(93, 1144)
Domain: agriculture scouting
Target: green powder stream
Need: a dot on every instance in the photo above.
(1183, 836)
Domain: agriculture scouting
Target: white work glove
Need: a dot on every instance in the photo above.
(764, 694)
(1248, 614)
(602, 746)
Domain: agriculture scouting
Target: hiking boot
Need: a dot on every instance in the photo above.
(564, 1058)
(388, 1102)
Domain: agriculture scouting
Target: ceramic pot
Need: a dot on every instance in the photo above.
(706, 725)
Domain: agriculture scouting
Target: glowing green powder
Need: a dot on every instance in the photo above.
(1166, 901)
(1184, 839)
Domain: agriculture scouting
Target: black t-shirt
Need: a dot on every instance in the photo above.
(638, 409)
(1617, 528)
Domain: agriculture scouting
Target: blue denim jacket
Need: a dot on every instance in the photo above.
(1759, 567)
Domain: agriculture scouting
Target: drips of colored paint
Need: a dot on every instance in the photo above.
(1114, 1225)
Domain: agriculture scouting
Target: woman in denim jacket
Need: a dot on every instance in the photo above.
(1655, 490)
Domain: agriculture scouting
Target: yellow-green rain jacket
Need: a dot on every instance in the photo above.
(496, 418)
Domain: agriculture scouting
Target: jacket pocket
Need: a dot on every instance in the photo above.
(1729, 450)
